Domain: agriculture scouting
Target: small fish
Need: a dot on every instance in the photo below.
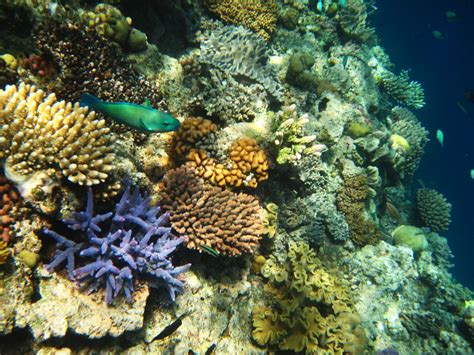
(472, 173)
(469, 95)
(342, 3)
(319, 5)
(439, 35)
(440, 137)
(209, 250)
(393, 212)
(451, 16)
(171, 328)
(462, 108)
(143, 118)
(53, 7)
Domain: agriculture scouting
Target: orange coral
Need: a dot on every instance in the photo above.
(8, 198)
(191, 131)
(229, 223)
(250, 159)
(258, 15)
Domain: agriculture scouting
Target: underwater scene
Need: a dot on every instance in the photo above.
(236, 177)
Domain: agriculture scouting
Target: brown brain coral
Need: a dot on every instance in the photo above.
(40, 134)
(434, 210)
(258, 15)
(227, 222)
(250, 159)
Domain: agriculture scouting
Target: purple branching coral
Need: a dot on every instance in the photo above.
(138, 243)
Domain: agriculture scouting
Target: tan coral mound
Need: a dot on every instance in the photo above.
(41, 134)
(250, 159)
(191, 132)
(258, 15)
(434, 210)
(226, 222)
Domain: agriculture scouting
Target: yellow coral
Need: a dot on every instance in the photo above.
(251, 160)
(4, 252)
(191, 132)
(311, 311)
(258, 15)
(270, 219)
(39, 133)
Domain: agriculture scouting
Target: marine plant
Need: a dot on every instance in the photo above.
(115, 248)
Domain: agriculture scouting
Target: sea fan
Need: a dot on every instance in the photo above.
(138, 243)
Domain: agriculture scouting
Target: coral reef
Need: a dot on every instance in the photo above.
(88, 63)
(310, 310)
(43, 137)
(138, 243)
(238, 51)
(402, 90)
(258, 15)
(229, 223)
(433, 209)
(406, 125)
(352, 19)
(4, 252)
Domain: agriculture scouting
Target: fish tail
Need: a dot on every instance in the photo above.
(90, 101)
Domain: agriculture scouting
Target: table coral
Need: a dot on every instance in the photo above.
(258, 15)
(227, 222)
(138, 243)
(40, 134)
(310, 310)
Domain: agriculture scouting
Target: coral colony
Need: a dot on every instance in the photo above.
(137, 244)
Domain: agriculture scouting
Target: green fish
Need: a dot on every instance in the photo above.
(209, 250)
(440, 137)
(143, 118)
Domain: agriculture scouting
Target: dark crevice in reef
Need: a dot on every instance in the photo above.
(169, 24)
(19, 341)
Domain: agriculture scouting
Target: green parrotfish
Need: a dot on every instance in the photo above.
(143, 118)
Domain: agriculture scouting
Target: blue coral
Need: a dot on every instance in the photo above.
(138, 242)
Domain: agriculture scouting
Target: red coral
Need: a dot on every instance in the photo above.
(8, 197)
(39, 66)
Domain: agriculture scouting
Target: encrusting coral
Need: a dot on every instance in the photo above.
(351, 200)
(138, 242)
(433, 209)
(310, 310)
(40, 135)
(258, 15)
(229, 223)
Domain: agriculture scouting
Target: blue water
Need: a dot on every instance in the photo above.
(446, 69)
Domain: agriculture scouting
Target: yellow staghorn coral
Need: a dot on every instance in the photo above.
(40, 136)
(310, 310)
(258, 15)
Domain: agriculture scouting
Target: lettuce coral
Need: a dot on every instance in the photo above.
(229, 223)
(138, 242)
(257, 15)
(41, 135)
(310, 310)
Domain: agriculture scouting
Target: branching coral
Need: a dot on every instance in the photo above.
(286, 134)
(351, 202)
(138, 243)
(241, 52)
(8, 198)
(258, 15)
(433, 209)
(39, 134)
(407, 125)
(402, 89)
(89, 63)
(310, 310)
(229, 223)
(353, 21)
